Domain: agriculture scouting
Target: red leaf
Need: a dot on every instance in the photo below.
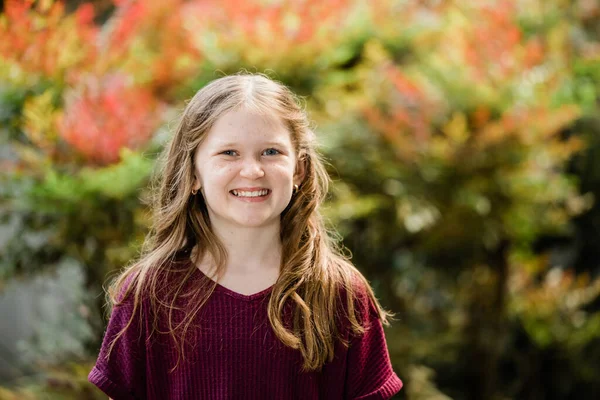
(105, 115)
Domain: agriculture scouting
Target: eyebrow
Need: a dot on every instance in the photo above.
(233, 144)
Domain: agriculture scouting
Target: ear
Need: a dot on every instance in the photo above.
(196, 185)
(300, 172)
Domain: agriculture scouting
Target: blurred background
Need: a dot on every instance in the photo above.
(463, 139)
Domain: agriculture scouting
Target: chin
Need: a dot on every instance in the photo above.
(255, 223)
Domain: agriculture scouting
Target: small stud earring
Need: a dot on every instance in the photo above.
(296, 189)
(194, 191)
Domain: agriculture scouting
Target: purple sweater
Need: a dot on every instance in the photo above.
(237, 355)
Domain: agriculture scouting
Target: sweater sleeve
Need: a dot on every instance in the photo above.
(122, 375)
(369, 374)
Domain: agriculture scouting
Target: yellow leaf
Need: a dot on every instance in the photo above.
(491, 134)
(456, 129)
(39, 120)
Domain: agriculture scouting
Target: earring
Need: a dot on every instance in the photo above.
(194, 191)
(296, 187)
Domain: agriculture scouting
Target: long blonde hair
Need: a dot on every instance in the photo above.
(313, 269)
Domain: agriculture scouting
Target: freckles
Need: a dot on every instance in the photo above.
(283, 168)
(220, 166)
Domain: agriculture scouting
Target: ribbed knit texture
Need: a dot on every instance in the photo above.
(236, 355)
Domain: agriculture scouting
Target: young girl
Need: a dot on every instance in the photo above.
(239, 292)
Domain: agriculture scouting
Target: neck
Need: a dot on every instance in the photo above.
(249, 250)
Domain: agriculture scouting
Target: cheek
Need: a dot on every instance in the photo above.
(217, 174)
(283, 170)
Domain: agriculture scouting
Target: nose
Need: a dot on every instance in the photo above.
(252, 169)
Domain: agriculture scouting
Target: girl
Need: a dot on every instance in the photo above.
(239, 292)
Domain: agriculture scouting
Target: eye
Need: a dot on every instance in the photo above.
(271, 152)
(228, 152)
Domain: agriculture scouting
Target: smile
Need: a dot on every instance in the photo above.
(256, 193)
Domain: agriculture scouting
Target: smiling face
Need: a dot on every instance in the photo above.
(246, 168)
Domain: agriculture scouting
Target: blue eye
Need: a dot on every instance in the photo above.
(273, 152)
(228, 152)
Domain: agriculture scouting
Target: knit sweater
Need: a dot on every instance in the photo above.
(235, 354)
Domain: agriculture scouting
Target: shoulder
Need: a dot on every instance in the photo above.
(139, 281)
(357, 288)
(357, 301)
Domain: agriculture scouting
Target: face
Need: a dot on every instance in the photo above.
(246, 168)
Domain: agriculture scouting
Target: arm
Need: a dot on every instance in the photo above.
(369, 373)
(122, 375)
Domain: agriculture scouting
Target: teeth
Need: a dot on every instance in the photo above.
(250, 194)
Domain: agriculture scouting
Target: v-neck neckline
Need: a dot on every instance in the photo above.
(230, 292)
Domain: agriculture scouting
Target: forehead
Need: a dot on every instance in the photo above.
(245, 126)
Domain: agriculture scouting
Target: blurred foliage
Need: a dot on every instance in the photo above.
(463, 140)
(68, 381)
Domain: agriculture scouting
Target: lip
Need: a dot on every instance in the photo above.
(250, 189)
(251, 199)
